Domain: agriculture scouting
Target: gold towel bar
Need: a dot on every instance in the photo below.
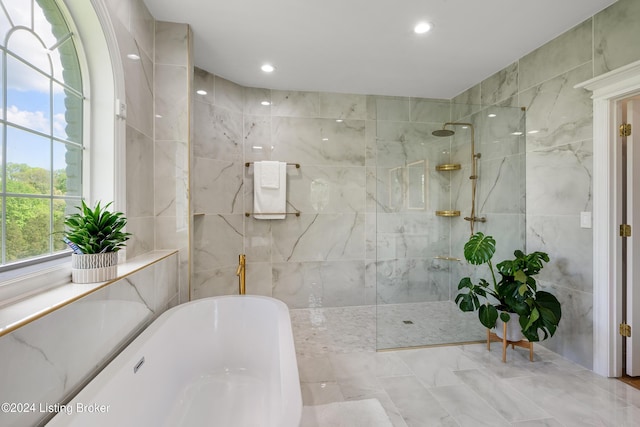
(248, 214)
(297, 165)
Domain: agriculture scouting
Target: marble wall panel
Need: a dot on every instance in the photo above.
(295, 103)
(171, 44)
(171, 103)
(412, 280)
(258, 279)
(203, 81)
(258, 242)
(502, 186)
(559, 180)
(143, 27)
(92, 330)
(318, 141)
(566, 52)
(142, 239)
(319, 237)
(139, 90)
(228, 94)
(500, 86)
(257, 138)
(139, 170)
(217, 241)
(569, 249)
(215, 282)
(615, 31)
(392, 108)
(466, 103)
(342, 106)
(430, 110)
(217, 186)
(218, 132)
(171, 179)
(253, 101)
(328, 189)
(557, 112)
(319, 284)
(574, 336)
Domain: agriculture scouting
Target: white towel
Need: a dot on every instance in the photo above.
(269, 174)
(268, 199)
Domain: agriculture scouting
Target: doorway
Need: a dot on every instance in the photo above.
(609, 90)
(628, 170)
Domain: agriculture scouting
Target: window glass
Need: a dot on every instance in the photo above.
(41, 129)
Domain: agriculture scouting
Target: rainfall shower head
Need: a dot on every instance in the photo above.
(443, 132)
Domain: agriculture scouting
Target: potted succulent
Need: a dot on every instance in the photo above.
(514, 296)
(95, 235)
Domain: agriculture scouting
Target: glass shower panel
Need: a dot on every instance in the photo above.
(423, 194)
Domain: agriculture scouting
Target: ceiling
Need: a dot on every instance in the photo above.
(368, 46)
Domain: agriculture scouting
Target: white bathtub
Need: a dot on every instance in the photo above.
(225, 361)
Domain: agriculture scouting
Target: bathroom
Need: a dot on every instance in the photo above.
(179, 143)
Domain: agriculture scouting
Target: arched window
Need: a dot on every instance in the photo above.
(41, 126)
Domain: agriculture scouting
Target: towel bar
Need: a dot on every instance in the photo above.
(297, 165)
(248, 214)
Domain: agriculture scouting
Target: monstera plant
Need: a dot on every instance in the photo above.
(513, 293)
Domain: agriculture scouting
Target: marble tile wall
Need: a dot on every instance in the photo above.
(157, 130)
(135, 32)
(48, 360)
(559, 159)
(315, 259)
(173, 81)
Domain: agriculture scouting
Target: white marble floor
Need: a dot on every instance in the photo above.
(451, 386)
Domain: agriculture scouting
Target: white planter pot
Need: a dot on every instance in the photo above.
(514, 332)
(91, 268)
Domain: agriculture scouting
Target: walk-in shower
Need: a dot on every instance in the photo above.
(432, 188)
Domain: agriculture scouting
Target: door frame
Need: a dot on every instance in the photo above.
(607, 90)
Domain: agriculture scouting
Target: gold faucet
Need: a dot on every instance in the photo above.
(240, 272)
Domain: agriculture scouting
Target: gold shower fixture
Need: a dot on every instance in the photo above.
(472, 218)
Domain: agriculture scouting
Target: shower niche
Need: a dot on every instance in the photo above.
(442, 171)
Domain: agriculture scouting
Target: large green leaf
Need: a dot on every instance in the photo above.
(479, 249)
(488, 315)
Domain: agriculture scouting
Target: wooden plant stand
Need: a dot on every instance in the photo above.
(522, 343)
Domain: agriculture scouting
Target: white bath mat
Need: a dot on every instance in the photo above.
(354, 413)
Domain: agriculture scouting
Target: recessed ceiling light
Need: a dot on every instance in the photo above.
(201, 92)
(268, 68)
(325, 139)
(516, 133)
(339, 120)
(492, 115)
(158, 116)
(265, 103)
(533, 131)
(422, 27)
(133, 56)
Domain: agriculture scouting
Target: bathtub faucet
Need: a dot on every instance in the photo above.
(240, 272)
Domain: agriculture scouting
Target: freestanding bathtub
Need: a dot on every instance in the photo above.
(224, 361)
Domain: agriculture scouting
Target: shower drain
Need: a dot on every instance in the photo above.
(407, 322)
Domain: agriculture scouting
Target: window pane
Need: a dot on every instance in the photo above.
(68, 61)
(5, 26)
(28, 162)
(42, 22)
(67, 170)
(28, 97)
(19, 12)
(25, 45)
(61, 208)
(28, 227)
(67, 114)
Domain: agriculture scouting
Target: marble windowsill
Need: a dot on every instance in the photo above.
(24, 311)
